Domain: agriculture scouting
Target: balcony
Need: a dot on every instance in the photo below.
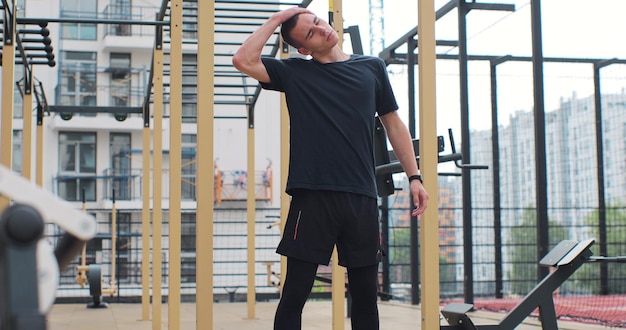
(230, 185)
(123, 37)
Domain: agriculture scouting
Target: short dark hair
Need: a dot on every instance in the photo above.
(286, 28)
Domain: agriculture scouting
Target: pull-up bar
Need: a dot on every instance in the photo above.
(26, 20)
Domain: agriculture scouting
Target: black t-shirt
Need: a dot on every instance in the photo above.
(331, 109)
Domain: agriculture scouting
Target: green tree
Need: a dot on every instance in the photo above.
(400, 254)
(523, 242)
(447, 275)
(587, 279)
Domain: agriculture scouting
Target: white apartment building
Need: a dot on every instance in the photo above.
(101, 66)
(108, 65)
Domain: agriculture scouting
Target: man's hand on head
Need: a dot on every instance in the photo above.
(283, 16)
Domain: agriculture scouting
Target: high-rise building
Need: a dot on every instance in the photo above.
(104, 52)
(570, 159)
(105, 65)
(572, 189)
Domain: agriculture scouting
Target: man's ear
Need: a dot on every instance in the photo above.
(304, 51)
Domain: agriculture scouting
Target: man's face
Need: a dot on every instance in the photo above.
(314, 34)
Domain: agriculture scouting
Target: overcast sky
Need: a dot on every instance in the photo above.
(571, 28)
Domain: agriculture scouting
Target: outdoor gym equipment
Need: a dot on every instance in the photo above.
(29, 268)
(92, 274)
(387, 163)
(566, 257)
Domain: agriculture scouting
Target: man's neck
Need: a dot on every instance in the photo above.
(335, 54)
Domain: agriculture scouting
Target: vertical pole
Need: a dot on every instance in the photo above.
(27, 132)
(81, 277)
(413, 226)
(205, 173)
(284, 164)
(338, 276)
(541, 180)
(429, 232)
(84, 250)
(157, 161)
(39, 147)
(176, 79)
(8, 83)
(251, 201)
(604, 267)
(468, 244)
(384, 216)
(410, 58)
(495, 155)
(113, 244)
(145, 216)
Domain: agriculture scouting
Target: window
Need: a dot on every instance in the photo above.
(188, 170)
(190, 88)
(16, 160)
(18, 99)
(78, 79)
(20, 6)
(119, 66)
(190, 15)
(121, 10)
(119, 146)
(188, 232)
(188, 247)
(79, 9)
(122, 248)
(189, 112)
(77, 166)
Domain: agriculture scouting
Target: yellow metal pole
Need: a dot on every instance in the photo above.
(81, 277)
(205, 173)
(284, 167)
(8, 83)
(338, 273)
(429, 232)
(251, 201)
(84, 252)
(176, 101)
(145, 217)
(27, 131)
(157, 194)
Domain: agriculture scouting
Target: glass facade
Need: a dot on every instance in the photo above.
(119, 148)
(78, 79)
(119, 67)
(77, 166)
(79, 9)
(16, 160)
(189, 166)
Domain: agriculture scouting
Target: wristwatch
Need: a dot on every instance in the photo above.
(416, 177)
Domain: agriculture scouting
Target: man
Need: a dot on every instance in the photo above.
(332, 98)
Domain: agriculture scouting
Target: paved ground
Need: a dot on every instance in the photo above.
(229, 316)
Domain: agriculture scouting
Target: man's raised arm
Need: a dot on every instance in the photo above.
(247, 59)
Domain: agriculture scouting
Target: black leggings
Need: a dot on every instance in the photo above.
(299, 281)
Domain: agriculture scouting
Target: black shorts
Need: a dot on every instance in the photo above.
(319, 219)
